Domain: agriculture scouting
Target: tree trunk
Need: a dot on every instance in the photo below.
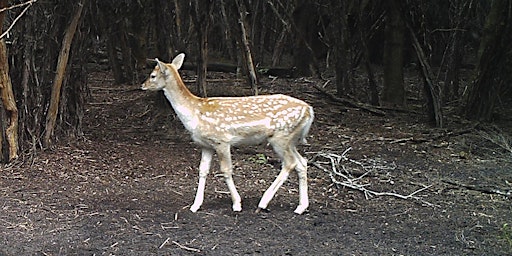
(9, 119)
(228, 33)
(431, 87)
(201, 12)
(305, 18)
(452, 76)
(115, 65)
(394, 90)
(162, 32)
(372, 85)
(339, 11)
(62, 63)
(9, 104)
(246, 49)
(493, 69)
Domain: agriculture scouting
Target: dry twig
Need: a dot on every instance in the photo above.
(341, 167)
(186, 247)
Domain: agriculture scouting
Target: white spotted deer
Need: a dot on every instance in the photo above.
(217, 123)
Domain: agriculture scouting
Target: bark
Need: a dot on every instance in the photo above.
(366, 29)
(431, 88)
(59, 76)
(7, 100)
(246, 50)
(228, 35)
(9, 104)
(162, 32)
(372, 85)
(127, 62)
(3, 4)
(115, 65)
(452, 76)
(305, 18)
(338, 35)
(456, 45)
(201, 12)
(281, 42)
(493, 71)
(2, 132)
(394, 90)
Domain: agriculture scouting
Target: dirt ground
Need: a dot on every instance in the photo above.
(126, 186)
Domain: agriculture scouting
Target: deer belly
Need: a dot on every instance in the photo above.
(247, 135)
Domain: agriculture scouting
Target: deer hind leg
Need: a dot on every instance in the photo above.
(204, 168)
(289, 162)
(301, 168)
(226, 167)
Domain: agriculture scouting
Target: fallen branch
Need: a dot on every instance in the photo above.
(341, 168)
(351, 103)
(484, 190)
(442, 135)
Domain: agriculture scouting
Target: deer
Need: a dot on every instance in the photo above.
(218, 123)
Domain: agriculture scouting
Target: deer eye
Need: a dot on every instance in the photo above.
(152, 76)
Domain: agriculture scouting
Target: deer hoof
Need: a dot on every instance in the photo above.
(300, 209)
(237, 207)
(194, 208)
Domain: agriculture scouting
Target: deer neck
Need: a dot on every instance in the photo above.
(182, 101)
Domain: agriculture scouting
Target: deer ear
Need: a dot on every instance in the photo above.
(160, 65)
(178, 60)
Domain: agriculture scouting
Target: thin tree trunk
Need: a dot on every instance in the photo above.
(431, 87)
(452, 76)
(62, 62)
(2, 132)
(9, 104)
(231, 44)
(128, 63)
(246, 49)
(202, 63)
(278, 49)
(372, 85)
(394, 90)
(177, 13)
(3, 4)
(201, 12)
(281, 41)
(113, 60)
(7, 99)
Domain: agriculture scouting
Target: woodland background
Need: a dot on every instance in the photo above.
(48, 48)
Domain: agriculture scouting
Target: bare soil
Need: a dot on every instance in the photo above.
(126, 186)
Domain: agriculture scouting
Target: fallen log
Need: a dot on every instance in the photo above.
(351, 103)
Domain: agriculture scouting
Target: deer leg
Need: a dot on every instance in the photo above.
(301, 168)
(226, 167)
(287, 165)
(204, 168)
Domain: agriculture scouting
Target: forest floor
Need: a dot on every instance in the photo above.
(379, 185)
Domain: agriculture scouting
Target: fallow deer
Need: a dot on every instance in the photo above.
(217, 123)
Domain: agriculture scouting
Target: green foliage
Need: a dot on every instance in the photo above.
(506, 234)
(259, 159)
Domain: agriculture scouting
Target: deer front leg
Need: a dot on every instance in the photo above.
(204, 168)
(226, 167)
